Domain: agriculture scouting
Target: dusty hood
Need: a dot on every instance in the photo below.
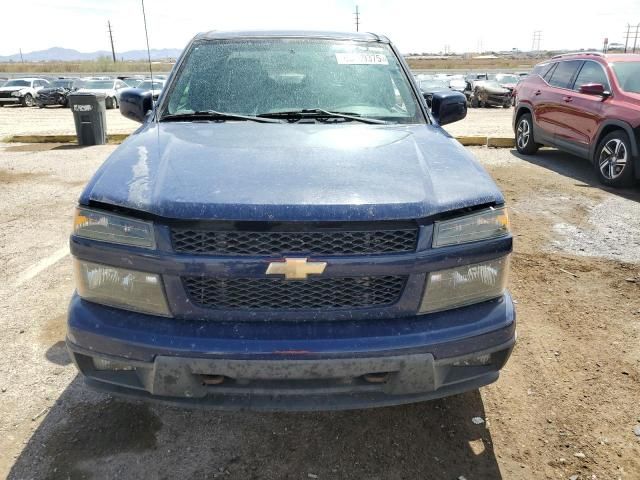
(251, 171)
(12, 89)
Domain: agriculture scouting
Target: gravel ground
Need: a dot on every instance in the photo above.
(494, 122)
(567, 403)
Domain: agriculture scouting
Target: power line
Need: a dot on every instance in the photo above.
(357, 15)
(113, 51)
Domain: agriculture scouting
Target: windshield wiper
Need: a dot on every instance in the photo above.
(320, 113)
(215, 115)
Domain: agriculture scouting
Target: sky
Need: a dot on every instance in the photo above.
(413, 25)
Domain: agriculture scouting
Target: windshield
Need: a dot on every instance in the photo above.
(98, 85)
(628, 75)
(262, 76)
(489, 83)
(146, 85)
(434, 84)
(507, 78)
(17, 83)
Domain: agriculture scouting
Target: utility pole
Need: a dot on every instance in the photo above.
(357, 15)
(113, 51)
(635, 38)
(21, 58)
(626, 38)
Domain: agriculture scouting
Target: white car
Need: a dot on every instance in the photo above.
(110, 88)
(21, 90)
(155, 90)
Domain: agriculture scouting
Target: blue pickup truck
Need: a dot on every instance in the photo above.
(290, 228)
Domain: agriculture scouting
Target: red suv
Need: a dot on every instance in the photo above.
(587, 104)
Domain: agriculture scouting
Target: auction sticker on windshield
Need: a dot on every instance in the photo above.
(361, 59)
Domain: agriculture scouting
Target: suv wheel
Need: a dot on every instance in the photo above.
(109, 103)
(525, 143)
(613, 160)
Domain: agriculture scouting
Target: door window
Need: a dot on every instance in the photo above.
(564, 73)
(591, 72)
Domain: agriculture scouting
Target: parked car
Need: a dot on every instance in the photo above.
(154, 87)
(291, 228)
(508, 81)
(587, 104)
(457, 83)
(487, 93)
(56, 93)
(110, 88)
(429, 87)
(21, 90)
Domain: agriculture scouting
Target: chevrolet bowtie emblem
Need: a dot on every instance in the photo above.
(296, 268)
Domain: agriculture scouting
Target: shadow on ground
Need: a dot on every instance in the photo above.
(87, 435)
(576, 168)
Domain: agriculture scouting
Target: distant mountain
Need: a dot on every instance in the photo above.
(68, 55)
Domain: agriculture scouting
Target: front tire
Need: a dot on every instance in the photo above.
(27, 100)
(109, 103)
(525, 143)
(613, 161)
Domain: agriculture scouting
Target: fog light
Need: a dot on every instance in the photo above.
(121, 287)
(105, 364)
(465, 285)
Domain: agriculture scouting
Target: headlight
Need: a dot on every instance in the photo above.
(119, 287)
(491, 223)
(466, 285)
(111, 228)
(17, 93)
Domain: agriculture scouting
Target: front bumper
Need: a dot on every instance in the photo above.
(58, 100)
(11, 100)
(339, 365)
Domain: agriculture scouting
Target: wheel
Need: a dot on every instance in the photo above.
(40, 105)
(613, 162)
(525, 143)
(27, 100)
(109, 103)
(474, 101)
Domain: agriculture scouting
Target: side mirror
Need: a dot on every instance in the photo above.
(135, 103)
(448, 106)
(592, 89)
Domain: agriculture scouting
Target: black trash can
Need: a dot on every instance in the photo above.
(90, 116)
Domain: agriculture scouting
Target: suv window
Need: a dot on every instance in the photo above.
(591, 72)
(549, 71)
(564, 72)
(262, 76)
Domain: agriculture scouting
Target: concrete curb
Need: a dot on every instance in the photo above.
(467, 141)
(112, 138)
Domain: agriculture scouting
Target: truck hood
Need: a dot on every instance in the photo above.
(11, 89)
(290, 172)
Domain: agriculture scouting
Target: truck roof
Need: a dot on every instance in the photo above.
(221, 35)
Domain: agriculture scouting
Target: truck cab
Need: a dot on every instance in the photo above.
(290, 229)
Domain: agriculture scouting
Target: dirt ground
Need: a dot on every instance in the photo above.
(15, 120)
(565, 406)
